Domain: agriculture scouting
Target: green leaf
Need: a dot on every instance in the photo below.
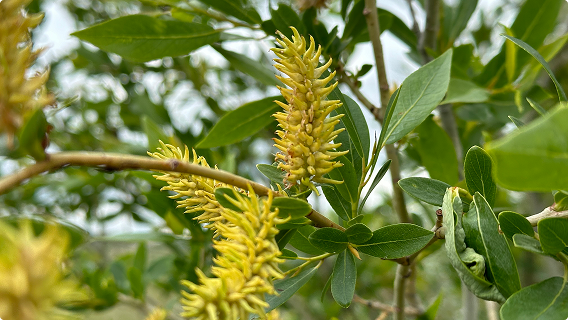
(477, 168)
(283, 237)
(546, 300)
(527, 243)
(532, 68)
(240, 123)
(288, 254)
(553, 233)
(287, 287)
(540, 59)
(560, 201)
(354, 122)
(326, 288)
(420, 94)
(464, 91)
(344, 278)
(236, 8)
(300, 241)
(222, 195)
(136, 283)
(512, 223)
(283, 18)
(153, 132)
(424, 189)
(393, 101)
(143, 38)
(341, 206)
(432, 310)
(273, 173)
(516, 121)
(468, 264)
(291, 207)
(382, 171)
(396, 241)
(32, 134)
(482, 234)
(510, 58)
(346, 173)
(537, 107)
(436, 151)
(329, 239)
(455, 20)
(294, 223)
(358, 233)
(534, 157)
(248, 66)
(140, 257)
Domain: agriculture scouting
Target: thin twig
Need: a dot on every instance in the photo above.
(546, 213)
(385, 307)
(113, 161)
(430, 34)
(344, 77)
(415, 27)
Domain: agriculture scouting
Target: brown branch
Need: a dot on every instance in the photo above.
(385, 307)
(546, 213)
(344, 78)
(111, 161)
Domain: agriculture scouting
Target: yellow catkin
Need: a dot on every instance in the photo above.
(157, 314)
(20, 95)
(195, 193)
(247, 262)
(306, 139)
(32, 279)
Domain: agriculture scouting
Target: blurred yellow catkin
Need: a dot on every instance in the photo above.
(20, 94)
(306, 139)
(33, 281)
(157, 314)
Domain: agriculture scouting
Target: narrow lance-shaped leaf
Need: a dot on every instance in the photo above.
(382, 171)
(354, 122)
(346, 173)
(482, 234)
(240, 123)
(287, 287)
(540, 59)
(236, 8)
(341, 206)
(344, 278)
(143, 38)
(421, 92)
(248, 66)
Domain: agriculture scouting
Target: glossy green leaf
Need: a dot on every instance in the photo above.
(420, 94)
(510, 58)
(246, 65)
(348, 145)
(532, 68)
(540, 59)
(136, 283)
(287, 287)
(560, 201)
(236, 8)
(432, 310)
(516, 121)
(143, 38)
(527, 243)
(291, 207)
(240, 123)
(477, 168)
(300, 241)
(482, 234)
(537, 107)
(512, 223)
(455, 20)
(424, 189)
(436, 151)
(346, 173)
(469, 265)
(393, 101)
(354, 122)
(344, 278)
(464, 91)
(341, 206)
(272, 172)
(358, 233)
(283, 18)
(329, 239)
(382, 171)
(534, 157)
(283, 237)
(396, 241)
(294, 223)
(546, 300)
(288, 254)
(31, 135)
(553, 233)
